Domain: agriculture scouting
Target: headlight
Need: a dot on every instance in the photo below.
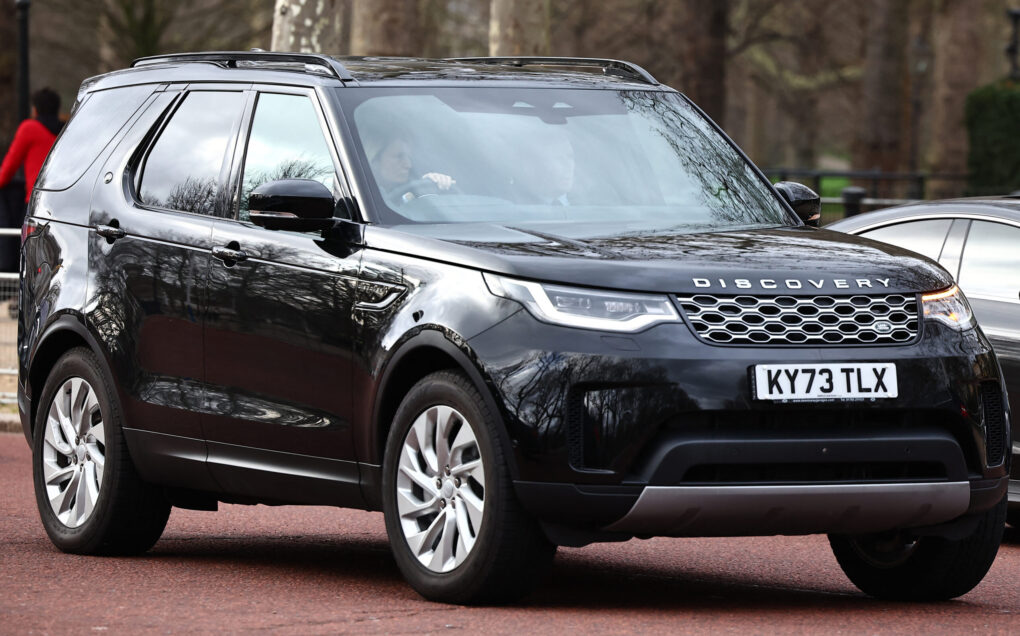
(585, 308)
(949, 307)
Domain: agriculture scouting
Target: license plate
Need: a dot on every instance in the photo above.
(863, 381)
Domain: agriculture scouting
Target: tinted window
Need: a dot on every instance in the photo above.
(991, 261)
(923, 237)
(94, 124)
(182, 170)
(286, 142)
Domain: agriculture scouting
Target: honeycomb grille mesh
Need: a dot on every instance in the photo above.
(807, 320)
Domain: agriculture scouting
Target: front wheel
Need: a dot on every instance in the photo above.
(457, 532)
(898, 566)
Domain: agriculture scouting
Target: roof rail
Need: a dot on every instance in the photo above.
(609, 67)
(231, 58)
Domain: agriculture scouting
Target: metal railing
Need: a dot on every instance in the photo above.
(9, 329)
(877, 183)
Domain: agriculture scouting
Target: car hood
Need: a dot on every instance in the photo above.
(794, 260)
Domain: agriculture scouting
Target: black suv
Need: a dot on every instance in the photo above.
(512, 303)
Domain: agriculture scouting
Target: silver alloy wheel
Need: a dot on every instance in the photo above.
(74, 452)
(440, 488)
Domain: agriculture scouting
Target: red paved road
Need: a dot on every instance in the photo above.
(318, 570)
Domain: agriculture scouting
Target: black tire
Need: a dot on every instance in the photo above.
(892, 566)
(510, 552)
(128, 515)
(1013, 515)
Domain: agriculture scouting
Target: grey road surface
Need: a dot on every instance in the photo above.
(294, 570)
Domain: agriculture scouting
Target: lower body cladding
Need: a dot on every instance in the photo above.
(793, 509)
(659, 434)
(753, 486)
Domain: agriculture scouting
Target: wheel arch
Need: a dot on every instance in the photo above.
(64, 334)
(427, 352)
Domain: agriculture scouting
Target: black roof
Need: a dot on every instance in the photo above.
(1005, 207)
(318, 69)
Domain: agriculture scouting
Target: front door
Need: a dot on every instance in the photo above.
(278, 332)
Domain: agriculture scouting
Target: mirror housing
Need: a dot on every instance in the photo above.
(292, 204)
(804, 201)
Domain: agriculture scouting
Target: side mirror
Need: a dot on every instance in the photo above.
(292, 204)
(804, 201)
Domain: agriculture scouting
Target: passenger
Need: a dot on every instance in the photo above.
(392, 167)
(545, 173)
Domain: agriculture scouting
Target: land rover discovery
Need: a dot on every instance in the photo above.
(512, 303)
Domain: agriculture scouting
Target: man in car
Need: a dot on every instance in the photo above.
(546, 171)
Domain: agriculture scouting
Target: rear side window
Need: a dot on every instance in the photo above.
(183, 168)
(94, 125)
(990, 265)
(923, 237)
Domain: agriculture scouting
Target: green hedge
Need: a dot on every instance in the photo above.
(993, 123)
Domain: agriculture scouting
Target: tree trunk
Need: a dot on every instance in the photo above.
(385, 27)
(8, 75)
(700, 36)
(311, 27)
(884, 88)
(519, 27)
(957, 39)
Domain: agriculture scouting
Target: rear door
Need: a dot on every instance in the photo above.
(278, 329)
(151, 236)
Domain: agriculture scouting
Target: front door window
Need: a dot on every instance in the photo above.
(286, 142)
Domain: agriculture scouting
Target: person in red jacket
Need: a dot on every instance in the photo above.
(33, 140)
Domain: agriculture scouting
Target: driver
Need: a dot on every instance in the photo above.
(392, 166)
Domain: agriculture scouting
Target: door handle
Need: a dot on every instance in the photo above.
(228, 255)
(111, 232)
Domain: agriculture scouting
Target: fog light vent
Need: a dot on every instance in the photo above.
(995, 422)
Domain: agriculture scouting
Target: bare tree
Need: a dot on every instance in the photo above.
(700, 34)
(519, 27)
(451, 28)
(797, 67)
(8, 71)
(385, 27)
(884, 88)
(312, 27)
(957, 39)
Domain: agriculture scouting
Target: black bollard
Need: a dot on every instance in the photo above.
(853, 200)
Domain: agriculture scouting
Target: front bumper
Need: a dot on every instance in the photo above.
(658, 433)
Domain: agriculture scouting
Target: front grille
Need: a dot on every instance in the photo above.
(802, 320)
(995, 422)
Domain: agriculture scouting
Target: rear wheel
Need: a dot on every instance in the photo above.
(90, 498)
(457, 532)
(897, 566)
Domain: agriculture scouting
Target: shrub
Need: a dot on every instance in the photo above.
(993, 125)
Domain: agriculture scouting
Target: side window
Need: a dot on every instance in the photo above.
(286, 142)
(93, 125)
(923, 237)
(991, 261)
(182, 169)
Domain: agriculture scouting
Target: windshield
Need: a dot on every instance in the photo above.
(643, 159)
